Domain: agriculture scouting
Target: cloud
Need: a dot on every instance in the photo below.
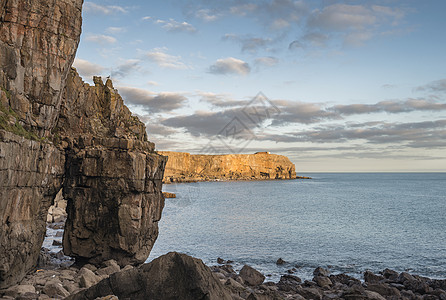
(115, 30)
(126, 68)
(91, 7)
(339, 17)
(230, 65)
(87, 69)
(301, 112)
(202, 123)
(249, 43)
(414, 134)
(389, 106)
(220, 100)
(164, 60)
(243, 9)
(154, 83)
(153, 128)
(434, 86)
(206, 15)
(267, 61)
(151, 102)
(175, 26)
(101, 39)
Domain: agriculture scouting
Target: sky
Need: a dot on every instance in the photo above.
(337, 86)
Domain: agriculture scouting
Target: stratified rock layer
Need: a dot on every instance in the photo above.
(113, 176)
(88, 138)
(38, 41)
(183, 167)
(30, 176)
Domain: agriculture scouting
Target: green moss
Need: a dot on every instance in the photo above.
(8, 93)
(17, 128)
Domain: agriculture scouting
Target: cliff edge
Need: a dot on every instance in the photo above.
(58, 132)
(184, 167)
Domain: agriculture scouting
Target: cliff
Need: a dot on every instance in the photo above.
(58, 132)
(183, 167)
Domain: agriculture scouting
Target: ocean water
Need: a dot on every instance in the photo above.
(347, 222)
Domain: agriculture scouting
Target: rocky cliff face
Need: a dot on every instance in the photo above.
(56, 129)
(183, 167)
(38, 40)
(113, 176)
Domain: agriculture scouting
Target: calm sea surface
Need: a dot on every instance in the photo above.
(348, 222)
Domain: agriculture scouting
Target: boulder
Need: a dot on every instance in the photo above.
(171, 276)
(251, 276)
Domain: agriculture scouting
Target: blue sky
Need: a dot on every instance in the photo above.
(344, 85)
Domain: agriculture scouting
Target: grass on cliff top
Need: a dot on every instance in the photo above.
(16, 128)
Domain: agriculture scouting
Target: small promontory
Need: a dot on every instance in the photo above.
(186, 167)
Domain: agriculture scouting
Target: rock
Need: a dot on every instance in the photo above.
(19, 290)
(38, 41)
(220, 261)
(251, 276)
(383, 289)
(57, 243)
(169, 195)
(55, 289)
(186, 167)
(322, 281)
(163, 278)
(321, 272)
(108, 270)
(373, 295)
(390, 274)
(310, 293)
(87, 278)
(280, 261)
(344, 279)
(369, 277)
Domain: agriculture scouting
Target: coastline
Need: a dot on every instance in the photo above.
(59, 280)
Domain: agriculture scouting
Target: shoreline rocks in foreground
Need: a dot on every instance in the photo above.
(179, 276)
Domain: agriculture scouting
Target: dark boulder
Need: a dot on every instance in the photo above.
(171, 276)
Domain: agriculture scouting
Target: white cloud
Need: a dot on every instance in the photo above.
(101, 39)
(154, 83)
(267, 61)
(206, 15)
(115, 30)
(103, 9)
(126, 68)
(164, 60)
(87, 69)
(175, 26)
(230, 65)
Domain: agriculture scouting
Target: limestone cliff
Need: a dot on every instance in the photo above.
(38, 41)
(183, 167)
(113, 176)
(56, 131)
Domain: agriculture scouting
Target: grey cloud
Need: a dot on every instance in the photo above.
(164, 60)
(87, 69)
(151, 102)
(301, 112)
(267, 61)
(390, 107)
(220, 100)
(230, 65)
(249, 43)
(434, 86)
(159, 129)
(126, 68)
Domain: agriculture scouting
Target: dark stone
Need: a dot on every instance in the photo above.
(369, 277)
(280, 261)
(321, 272)
(171, 276)
(251, 276)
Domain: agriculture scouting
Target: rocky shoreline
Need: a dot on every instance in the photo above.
(165, 278)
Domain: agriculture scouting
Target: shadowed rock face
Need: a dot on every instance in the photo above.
(183, 166)
(38, 41)
(112, 176)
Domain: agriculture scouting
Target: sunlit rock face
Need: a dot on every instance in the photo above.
(183, 166)
(113, 177)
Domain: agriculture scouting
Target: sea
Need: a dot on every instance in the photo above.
(345, 222)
